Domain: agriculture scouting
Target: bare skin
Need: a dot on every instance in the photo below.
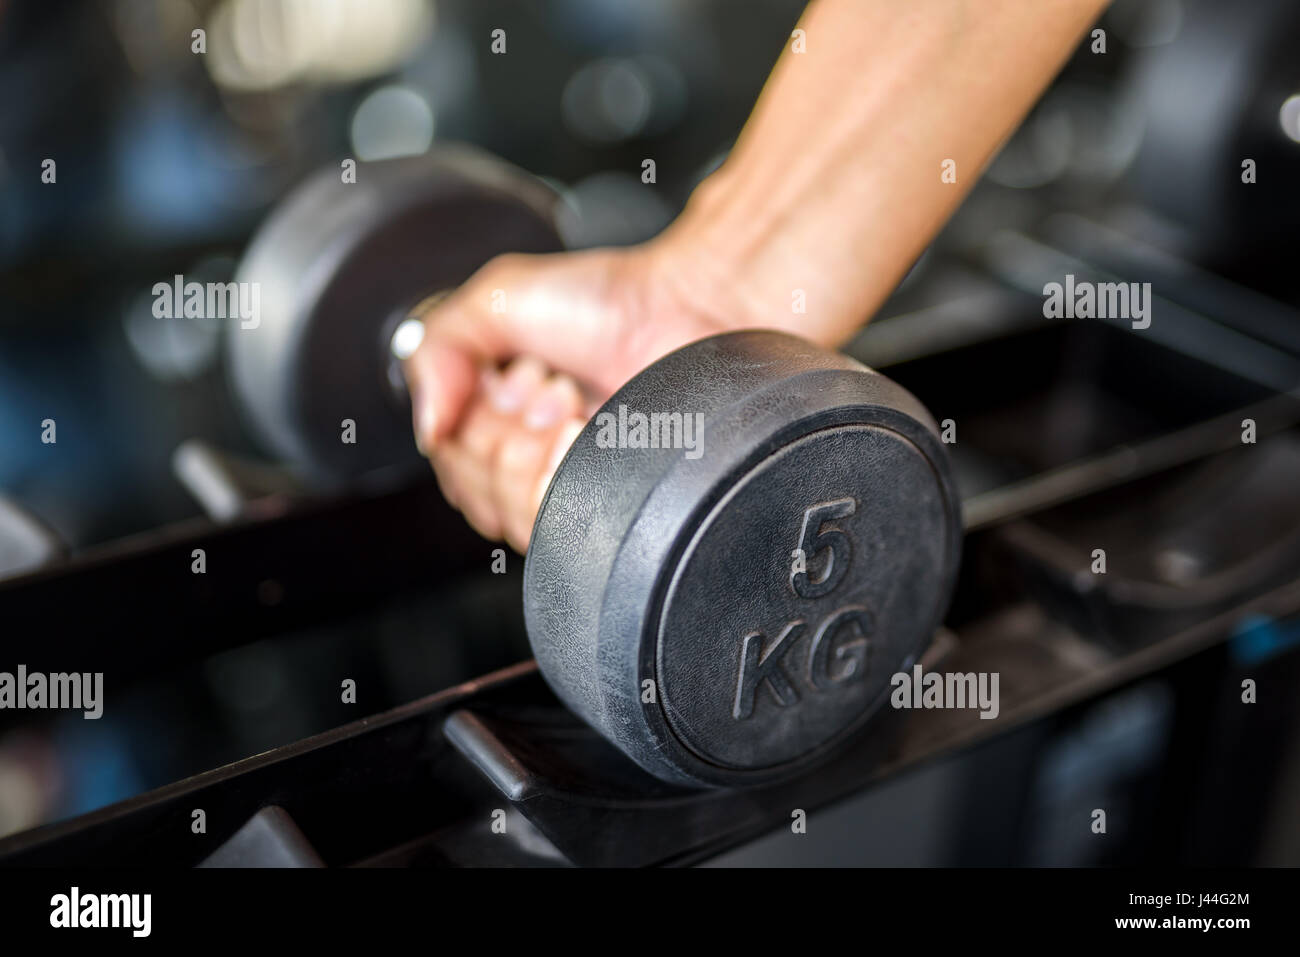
(833, 188)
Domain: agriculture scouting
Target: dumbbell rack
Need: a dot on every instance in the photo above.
(419, 784)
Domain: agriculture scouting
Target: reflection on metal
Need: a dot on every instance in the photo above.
(1129, 462)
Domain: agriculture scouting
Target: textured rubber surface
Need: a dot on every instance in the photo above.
(670, 570)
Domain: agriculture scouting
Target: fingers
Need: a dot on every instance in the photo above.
(573, 311)
(515, 430)
(495, 435)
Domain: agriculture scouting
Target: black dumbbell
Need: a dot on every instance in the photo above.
(738, 552)
(339, 267)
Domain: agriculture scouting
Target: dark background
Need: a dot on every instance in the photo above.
(168, 160)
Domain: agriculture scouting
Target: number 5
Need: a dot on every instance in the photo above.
(813, 539)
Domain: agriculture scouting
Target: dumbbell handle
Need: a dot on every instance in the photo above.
(405, 337)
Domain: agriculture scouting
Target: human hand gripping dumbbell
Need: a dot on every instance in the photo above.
(832, 191)
(729, 608)
(740, 546)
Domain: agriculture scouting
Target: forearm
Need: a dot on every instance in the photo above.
(834, 186)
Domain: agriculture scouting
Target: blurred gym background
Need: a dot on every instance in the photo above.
(168, 159)
(166, 162)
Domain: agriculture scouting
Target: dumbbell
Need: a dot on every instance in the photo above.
(737, 553)
(340, 266)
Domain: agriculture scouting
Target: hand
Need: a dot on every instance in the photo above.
(516, 360)
(827, 209)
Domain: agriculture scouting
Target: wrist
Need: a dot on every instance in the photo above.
(761, 264)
